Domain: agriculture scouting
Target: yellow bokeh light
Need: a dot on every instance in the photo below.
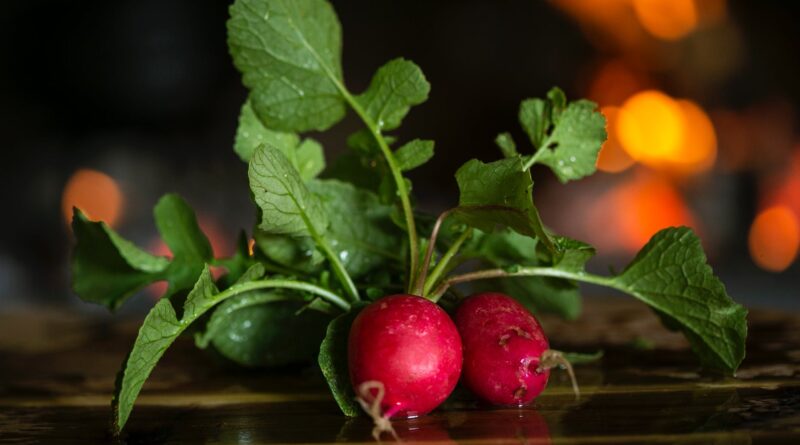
(95, 193)
(666, 19)
(651, 127)
(699, 149)
(612, 157)
(774, 238)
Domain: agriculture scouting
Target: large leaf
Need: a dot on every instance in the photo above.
(160, 329)
(671, 275)
(106, 268)
(333, 361)
(361, 232)
(251, 329)
(289, 53)
(396, 86)
(498, 194)
(287, 206)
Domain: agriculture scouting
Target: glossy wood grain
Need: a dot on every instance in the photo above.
(57, 372)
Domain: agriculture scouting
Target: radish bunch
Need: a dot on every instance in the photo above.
(405, 354)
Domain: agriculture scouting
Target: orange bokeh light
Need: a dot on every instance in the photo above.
(95, 193)
(774, 238)
(651, 127)
(612, 157)
(666, 19)
(634, 210)
(667, 134)
(699, 149)
(614, 82)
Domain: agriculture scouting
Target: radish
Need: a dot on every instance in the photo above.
(507, 358)
(404, 356)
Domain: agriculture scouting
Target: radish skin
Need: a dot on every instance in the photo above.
(503, 348)
(409, 347)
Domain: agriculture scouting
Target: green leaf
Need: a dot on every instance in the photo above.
(413, 154)
(251, 134)
(498, 194)
(190, 248)
(572, 254)
(360, 232)
(572, 148)
(333, 361)
(160, 329)
(296, 253)
(289, 53)
(539, 294)
(364, 141)
(566, 137)
(396, 86)
(287, 206)
(307, 157)
(310, 159)
(107, 269)
(671, 275)
(507, 145)
(252, 329)
(534, 117)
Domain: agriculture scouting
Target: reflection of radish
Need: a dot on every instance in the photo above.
(404, 355)
(507, 359)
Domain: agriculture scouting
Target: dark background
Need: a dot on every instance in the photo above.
(145, 92)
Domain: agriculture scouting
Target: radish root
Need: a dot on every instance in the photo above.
(551, 359)
(372, 406)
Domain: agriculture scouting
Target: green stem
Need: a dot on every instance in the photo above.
(285, 284)
(402, 190)
(441, 266)
(535, 157)
(522, 272)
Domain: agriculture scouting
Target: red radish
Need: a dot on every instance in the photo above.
(404, 354)
(507, 358)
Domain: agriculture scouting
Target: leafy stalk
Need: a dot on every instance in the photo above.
(162, 326)
(400, 183)
(670, 274)
(444, 262)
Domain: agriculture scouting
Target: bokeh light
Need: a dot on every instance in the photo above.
(774, 238)
(612, 158)
(95, 193)
(666, 19)
(651, 127)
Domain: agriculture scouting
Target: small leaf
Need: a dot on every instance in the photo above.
(498, 194)
(396, 86)
(333, 361)
(296, 253)
(160, 329)
(251, 134)
(287, 207)
(507, 145)
(413, 154)
(671, 275)
(190, 248)
(576, 141)
(106, 268)
(360, 232)
(534, 117)
(310, 159)
(289, 53)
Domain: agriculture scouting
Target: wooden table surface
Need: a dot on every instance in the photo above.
(57, 372)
